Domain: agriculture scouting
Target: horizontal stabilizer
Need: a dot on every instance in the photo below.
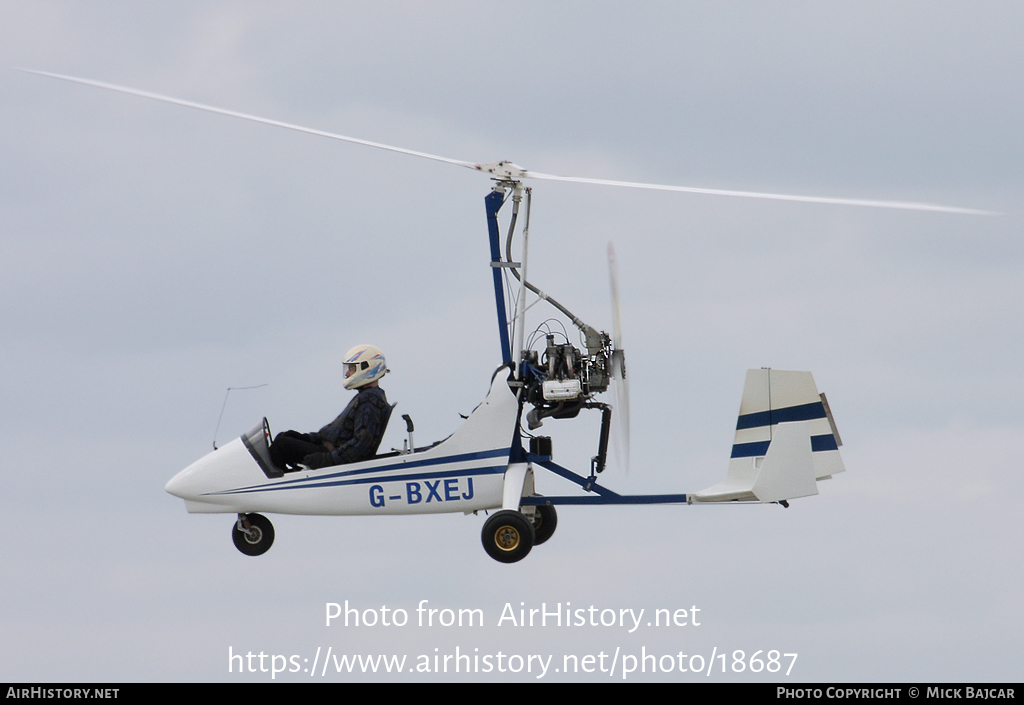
(786, 471)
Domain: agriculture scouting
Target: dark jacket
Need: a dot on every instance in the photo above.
(358, 430)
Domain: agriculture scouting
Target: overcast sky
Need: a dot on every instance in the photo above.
(153, 256)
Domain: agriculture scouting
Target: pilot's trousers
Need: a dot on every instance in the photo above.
(290, 447)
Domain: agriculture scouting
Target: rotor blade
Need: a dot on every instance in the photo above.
(253, 118)
(505, 170)
(772, 196)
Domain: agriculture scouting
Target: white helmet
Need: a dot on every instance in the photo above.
(368, 363)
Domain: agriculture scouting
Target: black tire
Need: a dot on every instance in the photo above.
(507, 536)
(545, 519)
(259, 538)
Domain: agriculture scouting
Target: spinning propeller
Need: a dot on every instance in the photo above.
(508, 171)
(620, 417)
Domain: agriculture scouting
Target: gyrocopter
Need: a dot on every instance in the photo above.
(786, 439)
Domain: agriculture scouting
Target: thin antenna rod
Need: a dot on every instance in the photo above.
(222, 407)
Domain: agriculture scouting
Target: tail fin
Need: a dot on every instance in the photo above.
(785, 440)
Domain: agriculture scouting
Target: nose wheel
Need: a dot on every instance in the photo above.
(253, 534)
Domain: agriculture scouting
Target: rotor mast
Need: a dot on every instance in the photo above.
(502, 189)
(521, 308)
(493, 202)
(505, 186)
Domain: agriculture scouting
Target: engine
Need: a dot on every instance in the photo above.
(561, 381)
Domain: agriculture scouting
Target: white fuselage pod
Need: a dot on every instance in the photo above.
(463, 473)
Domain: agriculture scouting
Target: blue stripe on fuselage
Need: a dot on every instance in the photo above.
(469, 472)
(333, 479)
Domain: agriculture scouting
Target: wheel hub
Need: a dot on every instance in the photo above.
(506, 538)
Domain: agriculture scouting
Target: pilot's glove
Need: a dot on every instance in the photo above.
(317, 460)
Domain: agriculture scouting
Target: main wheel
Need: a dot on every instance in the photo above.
(545, 519)
(507, 536)
(257, 538)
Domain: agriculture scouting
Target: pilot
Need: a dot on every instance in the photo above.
(356, 433)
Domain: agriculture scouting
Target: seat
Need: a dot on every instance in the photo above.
(384, 427)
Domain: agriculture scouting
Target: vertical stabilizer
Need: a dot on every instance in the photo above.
(771, 397)
(786, 440)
